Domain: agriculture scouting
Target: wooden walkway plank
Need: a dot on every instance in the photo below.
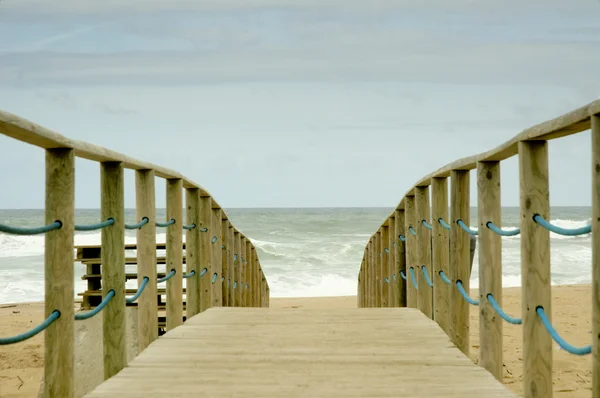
(258, 352)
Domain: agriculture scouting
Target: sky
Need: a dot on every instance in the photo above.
(302, 103)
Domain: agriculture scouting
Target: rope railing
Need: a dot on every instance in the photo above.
(430, 229)
(187, 204)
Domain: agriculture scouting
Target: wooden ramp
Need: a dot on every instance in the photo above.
(262, 352)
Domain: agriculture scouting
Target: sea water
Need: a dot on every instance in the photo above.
(303, 252)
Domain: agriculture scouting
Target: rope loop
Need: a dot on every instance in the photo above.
(100, 307)
(188, 227)
(32, 332)
(445, 278)
(165, 224)
(403, 275)
(555, 336)
(30, 231)
(93, 227)
(427, 225)
(414, 278)
(559, 230)
(166, 277)
(465, 228)
(412, 231)
(402, 238)
(499, 311)
(139, 291)
(462, 291)
(444, 224)
(500, 231)
(203, 272)
(429, 282)
(189, 275)
(145, 220)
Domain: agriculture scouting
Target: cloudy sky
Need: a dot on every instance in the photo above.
(298, 103)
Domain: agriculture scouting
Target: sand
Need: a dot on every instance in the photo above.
(21, 365)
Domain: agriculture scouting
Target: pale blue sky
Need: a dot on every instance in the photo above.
(296, 103)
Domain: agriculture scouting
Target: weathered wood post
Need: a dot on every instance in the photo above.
(400, 266)
(411, 251)
(216, 260)
(422, 213)
(440, 252)
(206, 249)
(59, 351)
(192, 252)
(595, 255)
(174, 258)
(535, 268)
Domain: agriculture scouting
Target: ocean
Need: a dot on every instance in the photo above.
(303, 252)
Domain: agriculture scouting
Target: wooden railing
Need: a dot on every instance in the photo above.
(421, 242)
(222, 265)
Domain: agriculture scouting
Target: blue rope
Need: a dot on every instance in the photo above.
(93, 227)
(139, 291)
(443, 223)
(403, 275)
(144, 221)
(214, 239)
(402, 238)
(387, 280)
(185, 276)
(424, 268)
(414, 278)
(235, 285)
(386, 250)
(246, 286)
(204, 229)
(32, 332)
(561, 342)
(214, 279)
(502, 232)
(222, 279)
(165, 224)
(394, 276)
(412, 231)
(188, 227)
(235, 257)
(427, 225)
(89, 314)
(503, 315)
(166, 277)
(30, 231)
(203, 272)
(462, 291)
(467, 229)
(562, 231)
(445, 278)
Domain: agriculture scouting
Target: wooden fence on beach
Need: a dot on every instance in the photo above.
(419, 256)
(221, 264)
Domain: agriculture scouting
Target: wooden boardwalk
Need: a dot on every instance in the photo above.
(262, 352)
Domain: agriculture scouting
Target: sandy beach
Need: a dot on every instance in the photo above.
(21, 365)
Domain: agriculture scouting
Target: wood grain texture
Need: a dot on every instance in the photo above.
(595, 256)
(411, 251)
(423, 239)
(216, 295)
(379, 267)
(59, 352)
(193, 251)
(535, 268)
(490, 266)
(206, 249)
(237, 258)
(113, 270)
(460, 263)
(147, 305)
(225, 251)
(304, 353)
(174, 253)
(247, 273)
(231, 277)
(391, 244)
(386, 275)
(440, 252)
(243, 267)
(400, 257)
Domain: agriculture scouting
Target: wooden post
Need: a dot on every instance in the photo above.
(391, 244)
(193, 252)
(400, 257)
(490, 267)
(206, 248)
(59, 352)
(423, 240)
(174, 258)
(385, 266)
(216, 272)
(367, 280)
(535, 268)
(237, 260)
(460, 261)
(411, 250)
(254, 287)
(247, 270)
(595, 255)
(225, 250)
(370, 273)
(147, 304)
(230, 266)
(242, 281)
(440, 252)
(113, 267)
(379, 267)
